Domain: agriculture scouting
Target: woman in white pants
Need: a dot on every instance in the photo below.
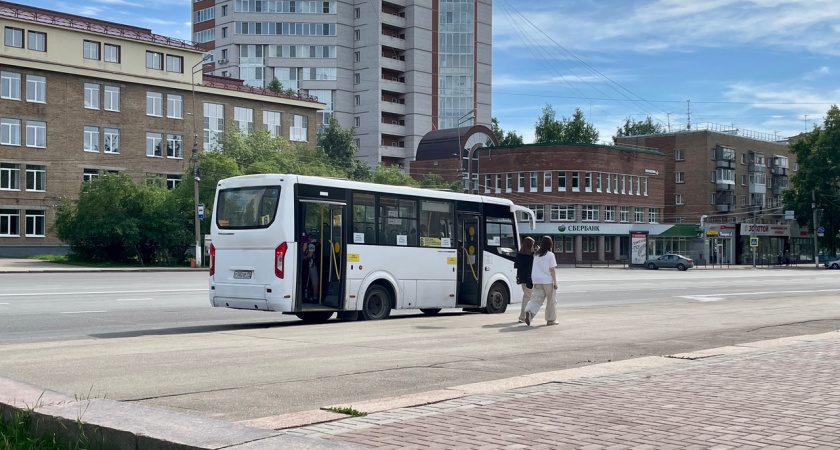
(545, 283)
(524, 262)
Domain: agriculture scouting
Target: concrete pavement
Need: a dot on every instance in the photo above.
(772, 394)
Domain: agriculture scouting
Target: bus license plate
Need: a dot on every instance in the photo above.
(242, 274)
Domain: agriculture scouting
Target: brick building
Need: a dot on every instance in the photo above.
(80, 97)
(735, 178)
(587, 197)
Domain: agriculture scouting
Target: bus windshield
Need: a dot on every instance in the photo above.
(247, 207)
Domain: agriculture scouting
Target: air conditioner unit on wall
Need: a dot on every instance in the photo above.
(223, 61)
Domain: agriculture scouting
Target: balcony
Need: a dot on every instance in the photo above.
(393, 63)
(758, 188)
(724, 207)
(393, 107)
(390, 84)
(725, 164)
(393, 20)
(392, 41)
(777, 190)
(757, 167)
(392, 129)
(779, 171)
(723, 187)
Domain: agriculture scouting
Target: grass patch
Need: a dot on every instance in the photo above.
(15, 435)
(65, 259)
(347, 410)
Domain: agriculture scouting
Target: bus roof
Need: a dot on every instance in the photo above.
(274, 178)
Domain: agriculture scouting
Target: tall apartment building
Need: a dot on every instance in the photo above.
(734, 179)
(393, 69)
(80, 97)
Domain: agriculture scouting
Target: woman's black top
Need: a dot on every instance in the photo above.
(523, 265)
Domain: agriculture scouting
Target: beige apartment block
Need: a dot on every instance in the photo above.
(80, 97)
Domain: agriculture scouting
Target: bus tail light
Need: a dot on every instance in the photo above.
(280, 259)
(212, 260)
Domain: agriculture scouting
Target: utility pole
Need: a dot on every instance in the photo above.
(705, 238)
(814, 211)
(194, 158)
(688, 113)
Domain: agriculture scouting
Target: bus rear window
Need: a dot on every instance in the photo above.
(250, 207)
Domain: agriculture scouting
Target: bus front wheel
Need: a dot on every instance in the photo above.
(377, 304)
(497, 299)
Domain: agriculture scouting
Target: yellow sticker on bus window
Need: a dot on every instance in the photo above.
(451, 260)
(352, 257)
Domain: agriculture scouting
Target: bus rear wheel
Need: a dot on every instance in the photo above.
(377, 304)
(497, 299)
(314, 316)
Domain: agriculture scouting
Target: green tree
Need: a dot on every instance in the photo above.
(275, 85)
(392, 175)
(574, 130)
(435, 181)
(509, 138)
(818, 156)
(338, 144)
(634, 128)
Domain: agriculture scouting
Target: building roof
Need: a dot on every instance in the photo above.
(444, 144)
(45, 16)
(621, 147)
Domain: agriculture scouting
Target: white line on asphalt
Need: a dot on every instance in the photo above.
(718, 297)
(134, 299)
(81, 312)
(5, 303)
(97, 292)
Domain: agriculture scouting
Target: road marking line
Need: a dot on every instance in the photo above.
(134, 299)
(718, 297)
(81, 312)
(100, 292)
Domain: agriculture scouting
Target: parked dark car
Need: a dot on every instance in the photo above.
(670, 261)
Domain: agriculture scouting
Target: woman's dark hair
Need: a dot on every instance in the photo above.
(546, 245)
(527, 246)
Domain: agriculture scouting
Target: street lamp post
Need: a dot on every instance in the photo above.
(198, 254)
(461, 120)
(705, 238)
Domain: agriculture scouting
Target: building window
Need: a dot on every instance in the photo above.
(154, 60)
(562, 212)
(91, 96)
(37, 41)
(357, 56)
(111, 53)
(172, 181)
(587, 181)
(561, 181)
(224, 10)
(9, 177)
(575, 181)
(598, 182)
(112, 140)
(174, 64)
(539, 212)
(90, 50)
(298, 128)
(154, 104)
(609, 214)
(174, 106)
(743, 158)
(624, 213)
(91, 143)
(357, 121)
(224, 53)
(679, 199)
(638, 214)
(357, 78)
(214, 124)
(679, 177)
(112, 98)
(271, 122)
(224, 32)
(357, 13)
(9, 222)
(36, 223)
(243, 118)
(590, 213)
(90, 174)
(624, 184)
(498, 186)
(36, 134)
(608, 244)
(9, 131)
(154, 145)
(36, 89)
(508, 182)
(357, 100)
(653, 215)
(486, 183)
(10, 85)
(13, 37)
(679, 154)
(533, 178)
(357, 35)
(546, 181)
(174, 146)
(36, 178)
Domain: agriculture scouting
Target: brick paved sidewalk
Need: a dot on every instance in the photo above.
(780, 398)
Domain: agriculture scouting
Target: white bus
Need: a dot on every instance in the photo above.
(315, 246)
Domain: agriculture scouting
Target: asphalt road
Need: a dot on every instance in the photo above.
(152, 338)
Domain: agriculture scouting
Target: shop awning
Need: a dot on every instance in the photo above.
(681, 230)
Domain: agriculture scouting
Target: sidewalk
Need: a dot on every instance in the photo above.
(22, 265)
(772, 394)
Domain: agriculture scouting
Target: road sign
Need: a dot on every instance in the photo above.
(788, 215)
(820, 231)
(753, 242)
(201, 210)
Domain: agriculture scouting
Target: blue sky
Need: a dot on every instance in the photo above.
(769, 66)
